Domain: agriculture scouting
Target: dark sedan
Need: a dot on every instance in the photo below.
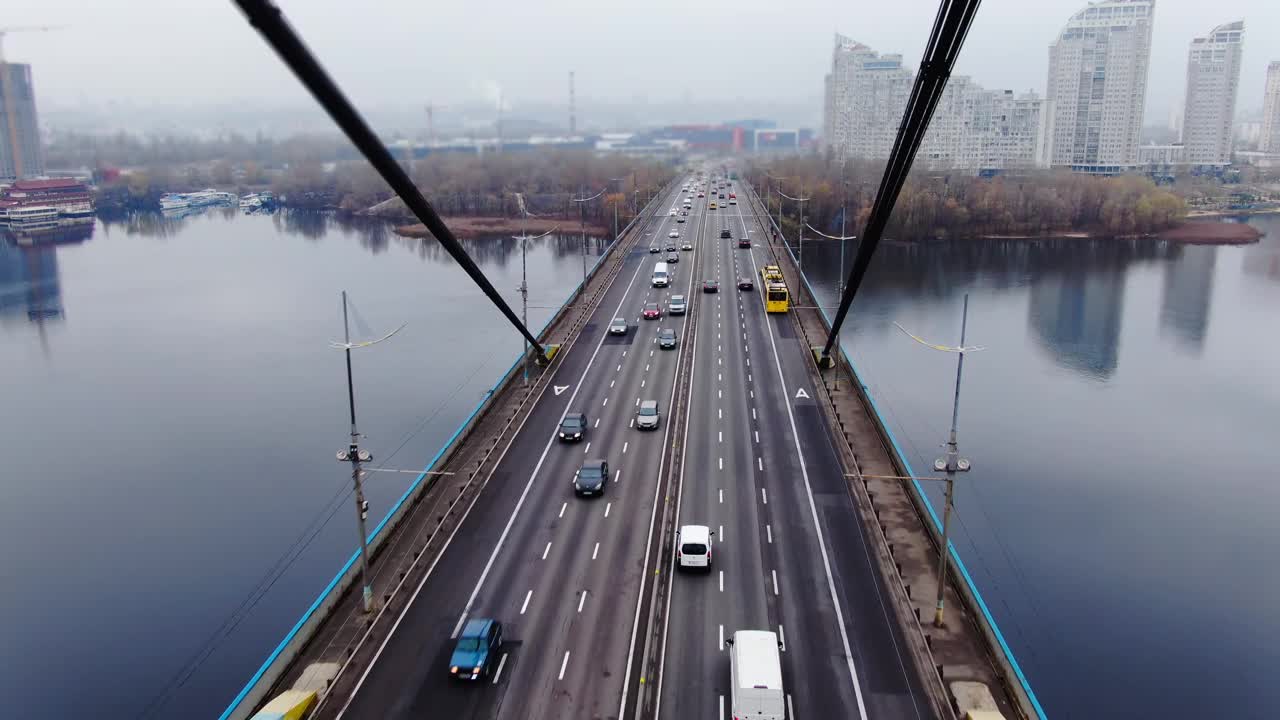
(709, 286)
(744, 283)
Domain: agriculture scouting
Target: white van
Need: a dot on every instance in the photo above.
(661, 276)
(755, 671)
(693, 547)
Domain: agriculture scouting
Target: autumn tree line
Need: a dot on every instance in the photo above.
(957, 204)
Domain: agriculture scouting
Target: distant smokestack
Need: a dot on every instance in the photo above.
(573, 120)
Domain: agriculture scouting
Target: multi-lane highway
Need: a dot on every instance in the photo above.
(567, 574)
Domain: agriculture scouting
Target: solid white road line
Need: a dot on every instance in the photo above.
(563, 664)
(458, 628)
(546, 550)
(720, 714)
(525, 605)
(501, 664)
(791, 712)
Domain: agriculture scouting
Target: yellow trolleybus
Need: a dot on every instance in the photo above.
(776, 297)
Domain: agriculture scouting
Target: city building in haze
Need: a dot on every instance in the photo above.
(1271, 110)
(979, 129)
(1097, 86)
(1213, 79)
(973, 128)
(20, 155)
(865, 95)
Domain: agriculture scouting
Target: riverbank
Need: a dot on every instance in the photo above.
(479, 226)
(1191, 233)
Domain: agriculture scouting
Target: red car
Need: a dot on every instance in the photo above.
(744, 242)
(651, 311)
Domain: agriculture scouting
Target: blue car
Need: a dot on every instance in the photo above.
(476, 650)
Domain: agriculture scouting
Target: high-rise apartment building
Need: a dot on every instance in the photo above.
(1213, 79)
(1097, 86)
(20, 154)
(1271, 110)
(975, 128)
(866, 94)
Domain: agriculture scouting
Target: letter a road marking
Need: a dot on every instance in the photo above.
(801, 394)
(561, 388)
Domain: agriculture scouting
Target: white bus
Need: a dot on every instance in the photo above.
(661, 276)
(755, 669)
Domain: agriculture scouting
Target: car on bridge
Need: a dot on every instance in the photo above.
(710, 286)
(745, 283)
(667, 339)
(693, 547)
(476, 649)
(651, 311)
(591, 478)
(655, 249)
(726, 234)
(744, 242)
(701, 194)
(672, 213)
(618, 326)
(681, 218)
(733, 201)
(673, 234)
(687, 245)
(712, 206)
(672, 255)
(647, 417)
(573, 426)
(677, 305)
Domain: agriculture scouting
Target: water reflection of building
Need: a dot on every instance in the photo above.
(1076, 315)
(1188, 288)
(29, 280)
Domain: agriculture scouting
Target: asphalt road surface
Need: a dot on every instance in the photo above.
(566, 574)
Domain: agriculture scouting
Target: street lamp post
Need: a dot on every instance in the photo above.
(802, 201)
(582, 205)
(951, 463)
(354, 455)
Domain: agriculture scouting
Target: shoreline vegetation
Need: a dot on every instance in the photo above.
(481, 226)
(1016, 205)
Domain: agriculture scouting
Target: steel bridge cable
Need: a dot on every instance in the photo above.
(949, 30)
(271, 24)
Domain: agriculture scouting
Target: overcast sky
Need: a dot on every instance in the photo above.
(392, 52)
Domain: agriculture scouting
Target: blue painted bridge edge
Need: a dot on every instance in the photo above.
(414, 486)
(933, 514)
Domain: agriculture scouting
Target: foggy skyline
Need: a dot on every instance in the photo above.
(400, 55)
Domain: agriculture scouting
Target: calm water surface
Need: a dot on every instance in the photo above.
(173, 411)
(1121, 515)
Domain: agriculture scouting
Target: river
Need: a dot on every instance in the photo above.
(172, 409)
(171, 502)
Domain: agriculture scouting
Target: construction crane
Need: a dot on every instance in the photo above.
(23, 28)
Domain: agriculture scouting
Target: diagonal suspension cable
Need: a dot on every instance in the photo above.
(949, 30)
(271, 24)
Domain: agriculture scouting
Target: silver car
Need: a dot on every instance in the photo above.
(676, 306)
(618, 326)
(647, 417)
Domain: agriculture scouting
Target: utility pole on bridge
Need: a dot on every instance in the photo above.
(354, 455)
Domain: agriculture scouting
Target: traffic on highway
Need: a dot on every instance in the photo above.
(543, 602)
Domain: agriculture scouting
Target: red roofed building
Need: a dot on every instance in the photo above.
(68, 196)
